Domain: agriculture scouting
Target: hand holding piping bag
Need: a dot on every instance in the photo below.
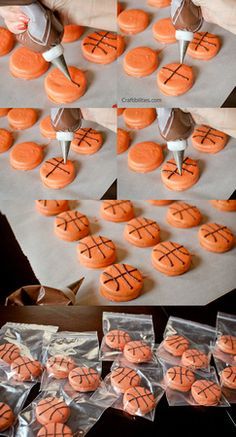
(106, 117)
(221, 12)
(223, 119)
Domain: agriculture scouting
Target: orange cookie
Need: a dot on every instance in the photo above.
(87, 141)
(117, 339)
(71, 226)
(123, 378)
(61, 90)
(51, 207)
(6, 41)
(52, 410)
(137, 352)
(26, 156)
(72, 32)
(6, 414)
(26, 64)
(138, 400)
(206, 392)
(160, 202)
(55, 174)
(55, 430)
(216, 238)
(145, 157)
(164, 31)
(4, 111)
(176, 182)
(204, 46)
(9, 352)
(121, 283)
(6, 140)
(100, 47)
(132, 21)
(195, 359)
(119, 111)
(228, 377)
(183, 215)
(208, 140)
(227, 344)
(122, 141)
(179, 378)
(159, 3)
(224, 205)
(119, 8)
(171, 258)
(84, 379)
(22, 118)
(120, 45)
(46, 128)
(25, 369)
(140, 62)
(96, 251)
(175, 344)
(60, 366)
(138, 118)
(142, 232)
(175, 79)
(117, 210)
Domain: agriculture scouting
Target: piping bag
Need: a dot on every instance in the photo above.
(187, 19)
(175, 127)
(66, 121)
(44, 32)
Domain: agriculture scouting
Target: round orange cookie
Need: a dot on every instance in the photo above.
(138, 400)
(179, 378)
(140, 61)
(117, 339)
(117, 210)
(84, 379)
(120, 45)
(123, 378)
(52, 410)
(121, 283)
(6, 417)
(206, 392)
(138, 118)
(195, 359)
(159, 3)
(164, 31)
(175, 344)
(132, 21)
(60, 366)
(55, 174)
(142, 232)
(123, 141)
(25, 369)
(6, 140)
(208, 140)
(137, 352)
(171, 258)
(215, 237)
(55, 430)
(228, 377)
(100, 47)
(4, 111)
(145, 157)
(46, 128)
(72, 32)
(96, 251)
(227, 344)
(87, 141)
(26, 156)
(59, 89)
(176, 182)
(51, 207)
(9, 352)
(224, 205)
(175, 79)
(6, 41)
(26, 64)
(204, 46)
(22, 118)
(183, 215)
(71, 226)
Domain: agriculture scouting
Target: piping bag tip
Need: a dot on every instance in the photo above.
(179, 157)
(183, 47)
(60, 63)
(65, 148)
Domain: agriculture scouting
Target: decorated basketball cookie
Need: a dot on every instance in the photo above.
(122, 141)
(174, 181)
(183, 215)
(84, 379)
(22, 118)
(159, 3)
(96, 251)
(132, 21)
(6, 140)
(60, 90)
(25, 369)
(215, 237)
(204, 46)
(7, 41)
(72, 32)
(164, 31)
(123, 378)
(100, 47)
(52, 410)
(138, 400)
(175, 79)
(117, 210)
(175, 344)
(87, 141)
(206, 392)
(60, 366)
(208, 140)
(139, 118)
(224, 205)
(26, 64)
(145, 157)
(6, 413)
(171, 258)
(227, 344)
(195, 359)
(54, 430)
(51, 207)
(9, 352)
(71, 225)
(56, 174)
(117, 339)
(121, 283)
(228, 377)
(159, 202)
(46, 128)
(140, 61)
(179, 378)
(26, 156)
(142, 232)
(137, 352)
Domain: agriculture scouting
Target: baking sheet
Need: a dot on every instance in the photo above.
(101, 90)
(215, 79)
(95, 173)
(54, 261)
(217, 173)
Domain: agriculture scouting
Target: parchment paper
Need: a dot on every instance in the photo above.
(55, 263)
(101, 89)
(215, 79)
(95, 173)
(217, 175)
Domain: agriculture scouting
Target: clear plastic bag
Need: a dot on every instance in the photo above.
(138, 326)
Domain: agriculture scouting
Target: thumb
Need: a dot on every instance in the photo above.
(104, 116)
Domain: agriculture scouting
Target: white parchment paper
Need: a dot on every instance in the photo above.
(95, 173)
(55, 263)
(215, 79)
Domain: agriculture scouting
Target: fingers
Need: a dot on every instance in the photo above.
(104, 116)
(221, 12)
(218, 118)
(14, 18)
